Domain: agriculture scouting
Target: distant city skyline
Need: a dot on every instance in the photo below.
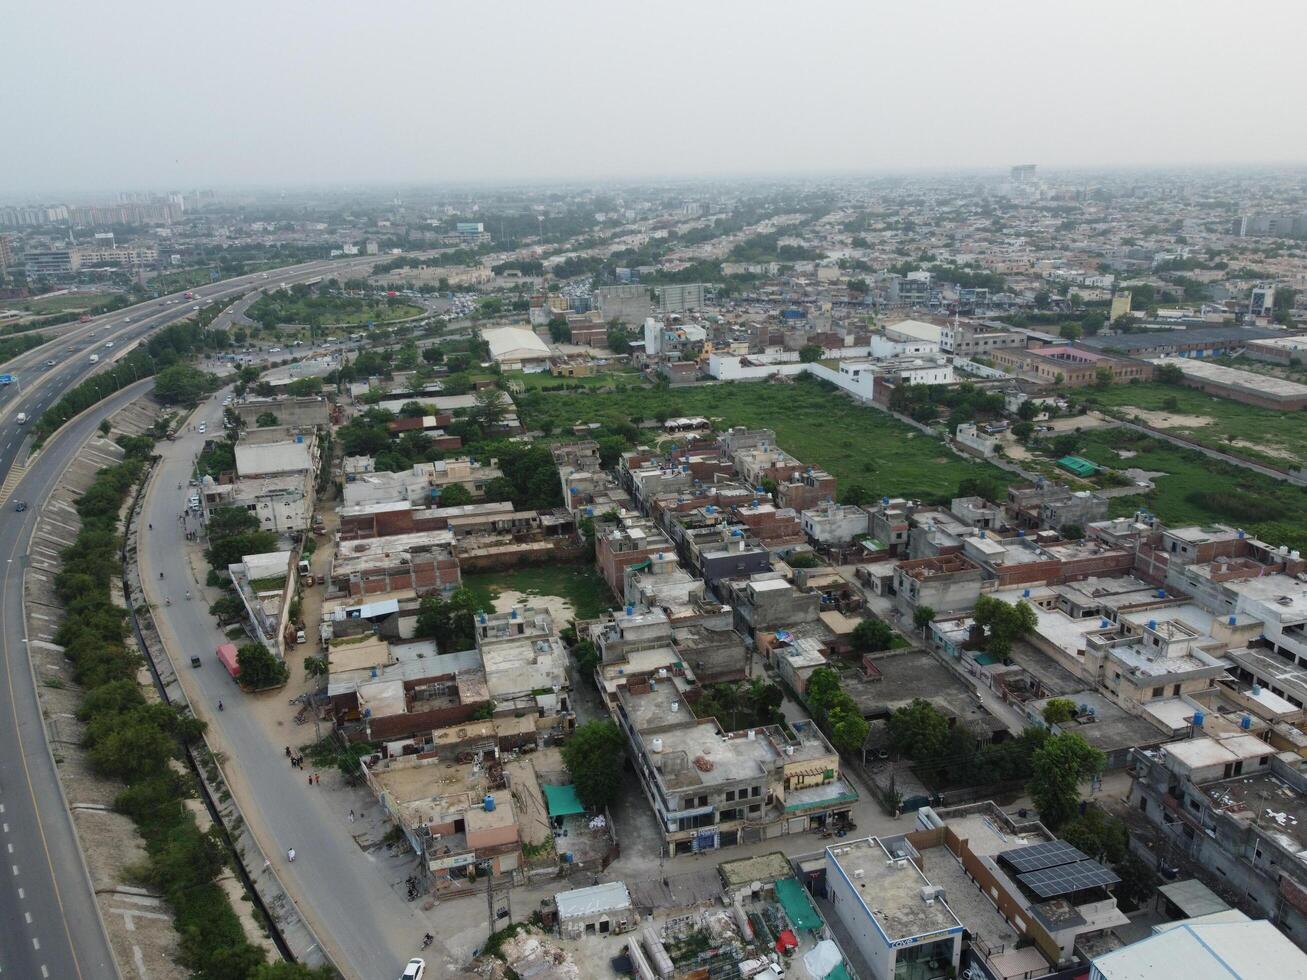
(154, 95)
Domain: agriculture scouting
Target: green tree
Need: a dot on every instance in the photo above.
(918, 730)
(133, 749)
(872, 635)
(594, 755)
(1004, 623)
(922, 617)
(1072, 532)
(266, 420)
(315, 666)
(809, 353)
(1059, 711)
(259, 669)
(491, 407)
(1023, 430)
(1103, 377)
(1169, 374)
(450, 622)
(455, 495)
(802, 559)
(559, 331)
(1071, 331)
(1056, 771)
(587, 657)
(1027, 410)
(182, 384)
(848, 729)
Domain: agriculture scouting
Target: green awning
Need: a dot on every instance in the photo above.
(797, 904)
(841, 972)
(562, 801)
(985, 659)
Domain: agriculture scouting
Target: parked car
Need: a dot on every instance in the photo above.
(20, 505)
(415, 970)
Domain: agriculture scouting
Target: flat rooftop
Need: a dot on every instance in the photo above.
(906, 675)
(1277, 808)
(891, 890)
(1113, 728)
(1260, 384)
(762, 867)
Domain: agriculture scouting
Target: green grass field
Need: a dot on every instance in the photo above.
(858, 445)
(60, 304)
(1261, 434)
(1198, 490)
(580, 585)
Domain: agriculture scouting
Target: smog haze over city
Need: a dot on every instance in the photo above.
(293, 94)
(681, 491)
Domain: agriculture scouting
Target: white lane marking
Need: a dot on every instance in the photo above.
(28, 917)
(15, 867)
(36, 943)
(44, 971)
(11, 848)
(20, 893)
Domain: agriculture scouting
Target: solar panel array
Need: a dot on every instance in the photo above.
(1049, 854)
(1067, 878)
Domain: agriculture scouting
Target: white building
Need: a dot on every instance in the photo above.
(893, 913)
(969, 435)
(517, 349)
(834, 523)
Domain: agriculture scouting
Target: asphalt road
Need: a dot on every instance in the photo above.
(348, 894)
(49, 923)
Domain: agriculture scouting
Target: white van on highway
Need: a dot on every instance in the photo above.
(22, 418)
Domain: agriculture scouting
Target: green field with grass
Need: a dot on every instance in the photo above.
(68, 302)
(857, 444)
(1265, 435)
(581, 585)
(1198, 490)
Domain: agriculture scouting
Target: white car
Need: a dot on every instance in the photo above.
(203, 427)
(274, 350)
(194, 500)
(109, 344)
(415, 970)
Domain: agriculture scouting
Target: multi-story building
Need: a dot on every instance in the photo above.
(898, 920)
(680, 297)
(832, 524)
(627, 303)
(629, 540)
(976, 340)
(710, 787)
(526, 669)
(806, 490)
(1235, 811)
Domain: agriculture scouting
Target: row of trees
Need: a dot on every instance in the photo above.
(137, 742)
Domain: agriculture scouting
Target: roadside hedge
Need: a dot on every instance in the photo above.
(135, 741)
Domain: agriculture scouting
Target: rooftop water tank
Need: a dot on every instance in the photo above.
(1246, 722)
(1199, 718)
(1104, 623)
(1161, 593)
(489, 803)
(656, 744)
(1025, 593)
(630, 610)
(1152, 624)
(1233, 621)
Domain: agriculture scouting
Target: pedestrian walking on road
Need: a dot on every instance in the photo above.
(351, 816)
(310, 779)
(317, 780)
(290, 855)
(288, 752)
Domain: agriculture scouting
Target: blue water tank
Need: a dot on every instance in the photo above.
(489, 803)
(1199, 718)
(1161, 593)
(630, 610)
(1233, 621)
(1257, 689)
(1104, 623)
(1025, 593)
(1246, 722)
(513, 614)
(1021, 534)
(1152, 624)
(884, 501)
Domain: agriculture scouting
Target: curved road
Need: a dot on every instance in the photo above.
(49, 922)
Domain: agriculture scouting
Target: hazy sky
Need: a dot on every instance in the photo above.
(138, 93)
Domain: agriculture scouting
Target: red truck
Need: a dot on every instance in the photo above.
(227, 656)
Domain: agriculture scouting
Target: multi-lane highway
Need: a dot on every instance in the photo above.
(49, 924)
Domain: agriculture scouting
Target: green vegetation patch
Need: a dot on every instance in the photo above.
(1199, 490)
(858, 445)
(580, 585)
(1216, 422)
